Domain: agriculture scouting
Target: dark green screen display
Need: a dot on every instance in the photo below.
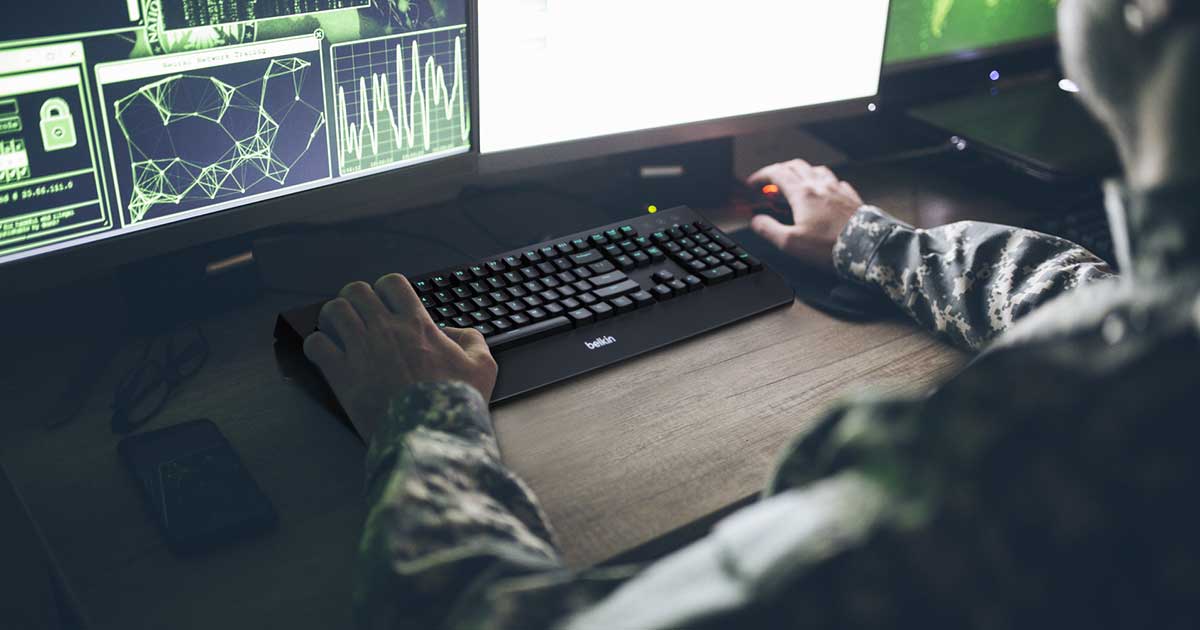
(924, 29)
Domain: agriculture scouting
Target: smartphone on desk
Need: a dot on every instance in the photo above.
(196, 486)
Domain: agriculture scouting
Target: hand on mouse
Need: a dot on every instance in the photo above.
(821, 204)
(375, 340)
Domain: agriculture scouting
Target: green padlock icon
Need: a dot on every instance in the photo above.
(58, 125)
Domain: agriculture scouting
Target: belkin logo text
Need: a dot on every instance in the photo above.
(600, 343)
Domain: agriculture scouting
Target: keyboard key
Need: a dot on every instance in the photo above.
(739, 268)
(520, 319)
(444, 297)
(531, 273)
(464, 307)
(663, 292)
(641, 259)
(625, 262)
(480, 317)
(502, 324)
(563, 264)
(628, 246)
(717, 275)
(550, 282)
(612, 234)
(462, 321)
(515, 306)
(498, 311)
(533, 286)
(714, 248)
(697, 266)
(582, 285)
(660, 237)
(694, 283)
(642, 298)
(586, 297)
(513, 277)
(628, 231)
(499, 296)
(602, 310)
(656, 254)
(532, 301)
(690, 229)
(549, 295)
(517, 292)
(462, 275)
(685, 257)
(675, 233)
(712, 261)
(587, 258)
(529, 333)
(554, 308)
(581, 316)
(485, 329)
(612, 251)
(701, 239)
(751, 262)
(479, 271)
(602, 267)
(571, 304)
(549, 252)
(580, 245)
(462, 292)
(497, 266)
(446, 311)
(428, 301)
(584, 272)
(547, 268)
(496, 282)
(567, 290)
(663, 276)
(564, 248)
(628, 286)
(674, 248)
(612, 277)
(598, 239)
(477, 287)
(726, 257)
(532, 257)
(441, 282)
(566, 277)
(678, 286)
(512, 262)
(536, 314)
(642, 242)
(623, 304)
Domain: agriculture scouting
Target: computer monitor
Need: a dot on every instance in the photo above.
(135, 127)
(563, 80)
(928, 32)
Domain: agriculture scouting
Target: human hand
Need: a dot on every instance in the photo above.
(374, 341)
(821, 205)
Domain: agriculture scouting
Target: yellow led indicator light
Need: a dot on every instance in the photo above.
(652, 209)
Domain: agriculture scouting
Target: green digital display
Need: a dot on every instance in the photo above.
(928, 29)
(124, 114)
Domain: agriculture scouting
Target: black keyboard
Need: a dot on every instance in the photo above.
(558, 309)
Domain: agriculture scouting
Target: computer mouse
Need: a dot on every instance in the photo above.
(769, 200)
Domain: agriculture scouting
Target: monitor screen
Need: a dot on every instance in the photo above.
(922, 30)
(122, 115)
(554, 71)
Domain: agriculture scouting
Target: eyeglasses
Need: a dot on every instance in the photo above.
(166, 362)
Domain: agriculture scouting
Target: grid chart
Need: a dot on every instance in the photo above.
(400, 98)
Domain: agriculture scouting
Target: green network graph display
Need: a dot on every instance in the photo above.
(122, 114)
(924, 29)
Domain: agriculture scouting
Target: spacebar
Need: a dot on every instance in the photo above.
(529, 333)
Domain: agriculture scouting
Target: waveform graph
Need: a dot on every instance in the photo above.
(400, 99)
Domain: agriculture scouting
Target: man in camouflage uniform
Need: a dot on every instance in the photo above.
(1049, 483)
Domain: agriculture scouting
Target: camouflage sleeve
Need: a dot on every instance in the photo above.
(967, 281)
(452, 538)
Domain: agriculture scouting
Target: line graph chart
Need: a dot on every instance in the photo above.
(400, 98)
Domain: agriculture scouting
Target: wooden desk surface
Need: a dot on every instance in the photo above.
(617, 457)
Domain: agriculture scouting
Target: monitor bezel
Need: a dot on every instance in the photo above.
(377, 194)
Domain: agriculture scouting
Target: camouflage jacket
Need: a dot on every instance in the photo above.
(1045, 484)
